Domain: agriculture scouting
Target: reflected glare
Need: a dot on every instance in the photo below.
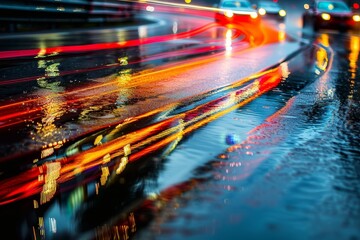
(353, 59)
(175, 27)
(228, 41)
(150, 8)
(143, 32)
(324, 40)
(282, 33)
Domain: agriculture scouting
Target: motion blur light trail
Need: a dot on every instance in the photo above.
(25, 112)
(102, 46)
(236, 164)
(199, 11)
(33, 106)
(92, 153)
(117, 153)
(214, 46)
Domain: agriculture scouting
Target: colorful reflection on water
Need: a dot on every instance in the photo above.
(70, 161)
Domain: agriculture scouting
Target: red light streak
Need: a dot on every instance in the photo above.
(142, 143)
(104, 46)
(146, 140)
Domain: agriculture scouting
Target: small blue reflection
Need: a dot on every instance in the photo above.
(232, 139)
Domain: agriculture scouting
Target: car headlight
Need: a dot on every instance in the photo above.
(325, 16)
(282, 13)
(356, 18)
(253, 15)
(262, 11)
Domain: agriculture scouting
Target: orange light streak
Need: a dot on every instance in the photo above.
(142, 142)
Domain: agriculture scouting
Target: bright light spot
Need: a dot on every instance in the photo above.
(122, 165)
(49, 187)
(187, 1)
(331, 7)
(306, 6)
(356, 18)
(228, 41)
(123, 61)
(150, 8)
(175, 27)
(282, 36)
(52, 225)
(107, 158)
(127, 150)
(152, 196)
(104, 175)
(355, 44)
(285, 70)
(282, 26)
(47, 152)
(253, 15)
(282, 13)
(262, 11)
(356, 6)
(98, 140)
(325, 16)
(229, 14)
(324, 39)
(143, 32)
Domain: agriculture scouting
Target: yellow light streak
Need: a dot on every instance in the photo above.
(191, 6)
(50, 185)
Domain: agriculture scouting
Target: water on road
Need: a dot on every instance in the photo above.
(274, 154)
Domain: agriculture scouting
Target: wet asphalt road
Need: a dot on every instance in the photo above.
(274, 154)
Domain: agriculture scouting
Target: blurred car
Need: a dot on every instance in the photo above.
(236, 11)
(271, 10)
(24, 15)
(329, 14)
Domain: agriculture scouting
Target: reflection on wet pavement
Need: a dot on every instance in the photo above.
(271, 154)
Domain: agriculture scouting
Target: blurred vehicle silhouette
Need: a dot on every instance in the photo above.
(51, 13)
(236, 11)
(329, 14)
(271, 10)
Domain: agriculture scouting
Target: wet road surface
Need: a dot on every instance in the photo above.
(119, 144)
